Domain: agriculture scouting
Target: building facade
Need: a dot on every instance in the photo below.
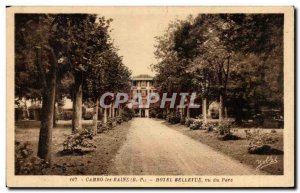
(142, 84)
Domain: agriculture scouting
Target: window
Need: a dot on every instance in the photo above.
(143, 83)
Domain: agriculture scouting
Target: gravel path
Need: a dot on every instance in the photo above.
(152, 148)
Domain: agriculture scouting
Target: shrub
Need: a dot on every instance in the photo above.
(159, 115)
(182, 121)
(173, 119)
(164, 115)
(228, 136)
(209, 126)
(88, 115)
(80, 142)
(197, 124)
(99, 127)
(156, 112)
(259, 142)
(25, 163)
(224, 128)
(259, 137)
(247, 133)
(125, 119)
(168, 117)
(273, 131)
(65, 115)
(119, 119)
(188, 121)
(199, 117)
(111, 123)
(152, 114)
(127, 114)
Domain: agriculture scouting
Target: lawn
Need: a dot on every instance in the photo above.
(237, 149)
(93, 163)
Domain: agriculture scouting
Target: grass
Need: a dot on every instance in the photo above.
(237, 149)
(94, 163)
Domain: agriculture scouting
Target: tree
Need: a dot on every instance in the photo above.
(105, 69)
(224, 42)
(109, 75)
(33, 36)
(55, 48)
(212, 48)
(172, 74)
(71, 36)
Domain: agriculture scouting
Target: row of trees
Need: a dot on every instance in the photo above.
(65, 55)
(236, 59)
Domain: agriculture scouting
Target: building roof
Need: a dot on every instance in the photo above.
(143, 77)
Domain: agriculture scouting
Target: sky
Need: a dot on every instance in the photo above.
(134, 34)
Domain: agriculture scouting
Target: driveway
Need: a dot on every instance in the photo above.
(152, 148)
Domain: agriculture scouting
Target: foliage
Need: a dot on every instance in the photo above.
(228, 137)
(57, 55)
(156, 112)
(88, 115)
(100, 127)
(259, 142)
(224, 132)
(210, 126)
(182, 120)
(188, 121)
(236, 57)
(127, 114)
(197, 124)
(65, 115)
(111, 123)
(83, 47)
(79, 142)
(224, 128)
(29, 34)
(259, 137)
(164, 115)
(118, 119)
(173, 118)
(26, 163)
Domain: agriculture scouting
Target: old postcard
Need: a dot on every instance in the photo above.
(150, 97)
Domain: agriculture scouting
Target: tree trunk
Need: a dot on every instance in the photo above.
(221, 109)
(181, 113)
(26, 110)
(45, 138)
(48, 96)
(112, 110)
(109, 111)
(120, 111)
(77, 106)
(95, 118)
(104, 117)
(187, 112)
(54, 116)
(204, 111)
(117, 112)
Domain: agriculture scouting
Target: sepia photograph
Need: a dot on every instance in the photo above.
(150, 96)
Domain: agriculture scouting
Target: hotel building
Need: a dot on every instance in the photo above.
(142, 84)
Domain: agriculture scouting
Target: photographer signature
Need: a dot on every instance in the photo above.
(268, 161)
